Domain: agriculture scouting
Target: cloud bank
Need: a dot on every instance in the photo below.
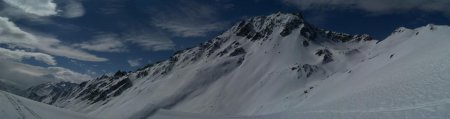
(19, 55)
(134, 62)
(187, 19)
(36, 7)
(23, 76)
(73, 9)
(152, 41)
(13, 36)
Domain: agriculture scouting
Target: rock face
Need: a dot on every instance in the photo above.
(94, 91)
(50, 93)
(271, 59)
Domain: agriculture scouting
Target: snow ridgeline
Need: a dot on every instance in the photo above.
(281, 67)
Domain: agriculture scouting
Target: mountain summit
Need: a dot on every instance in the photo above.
(277, 65)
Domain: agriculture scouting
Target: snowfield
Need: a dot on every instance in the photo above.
(15, 107)
(279, 67)
(413, 84)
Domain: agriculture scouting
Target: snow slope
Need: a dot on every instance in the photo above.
(279, 66)
(15, 107)
(414, 83)
(261, 65)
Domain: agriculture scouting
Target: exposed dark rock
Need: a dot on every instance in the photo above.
(294, 68)
(173, 59)
(221, 53)
(82, 84)
(54, 91)
(238, 51)
(290, 26)
(245, 30)
(306, 69)
(308, 31)
(327, 55)
(95, 92)
(241, 60)
(122, 86)
(257, 36)
(305, 43)
(242, 23)
(142, 74)
(120, 73)
(321, 52)
(214, 47)
(327, 59)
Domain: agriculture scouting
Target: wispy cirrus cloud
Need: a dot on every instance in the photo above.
(19, 55)
(73, 9)
(15, 37)
(35, 7)
(22, 76)
(17, 44)
(39, 10)
(104, 43)
(135, 62)
(152, 41)
(187, 18)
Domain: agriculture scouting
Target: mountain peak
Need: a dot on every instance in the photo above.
(418, 30)
(284, 24)
(262, 26)
(296, 15)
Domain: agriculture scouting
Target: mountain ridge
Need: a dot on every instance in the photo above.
(260, 66)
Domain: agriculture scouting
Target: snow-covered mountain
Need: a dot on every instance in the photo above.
(279, 66)
(16, 77)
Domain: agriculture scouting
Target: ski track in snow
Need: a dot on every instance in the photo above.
(420, 106)
(424, 106)
(20, 107)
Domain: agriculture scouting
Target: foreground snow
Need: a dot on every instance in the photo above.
(15, 107)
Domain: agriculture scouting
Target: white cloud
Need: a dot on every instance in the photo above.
(35, 7)
(19, 55)
(23, 76)
(112, 7)
(188, 19)
(10, 33)
(376, 6)
(73, 9)
(135, 62)
(91, 73)
(150, 40)
(189, 30)
(13, 36)
(38, 11)
(147, 40)
(104, 43)
(64, 74)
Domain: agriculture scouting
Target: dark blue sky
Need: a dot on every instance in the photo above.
(139, 32)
